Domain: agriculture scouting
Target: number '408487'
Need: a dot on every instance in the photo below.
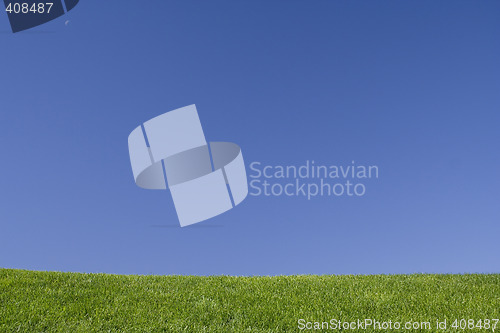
(26, 8)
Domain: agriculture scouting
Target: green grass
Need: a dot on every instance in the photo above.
(70, 302)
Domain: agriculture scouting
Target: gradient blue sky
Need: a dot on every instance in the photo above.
(411, 86)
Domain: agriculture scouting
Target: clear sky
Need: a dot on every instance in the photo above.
(410, 86)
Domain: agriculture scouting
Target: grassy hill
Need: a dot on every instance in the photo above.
(69, 302)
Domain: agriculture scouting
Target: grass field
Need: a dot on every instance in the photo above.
(70, 302)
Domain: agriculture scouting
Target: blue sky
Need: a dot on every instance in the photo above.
(412, 87)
